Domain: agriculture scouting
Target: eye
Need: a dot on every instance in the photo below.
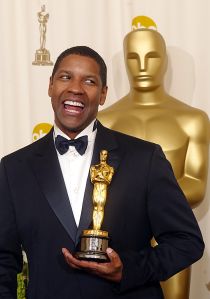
(65, 77)
(132, 55)
(153, 55)
(90, 81)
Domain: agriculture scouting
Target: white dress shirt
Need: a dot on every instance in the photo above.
(75, 169)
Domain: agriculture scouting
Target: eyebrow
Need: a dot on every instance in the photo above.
(88, 75)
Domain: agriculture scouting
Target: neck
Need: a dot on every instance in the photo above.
(148, 97)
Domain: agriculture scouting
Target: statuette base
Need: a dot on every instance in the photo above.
(42, 57)
(93, 245)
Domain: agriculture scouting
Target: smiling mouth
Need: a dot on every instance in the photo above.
(73, 106)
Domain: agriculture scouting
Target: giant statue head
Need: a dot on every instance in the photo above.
(145, 59)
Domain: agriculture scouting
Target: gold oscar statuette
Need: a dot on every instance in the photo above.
(42, 55)
(94, 242)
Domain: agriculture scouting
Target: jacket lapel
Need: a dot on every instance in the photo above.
(105, 140)
(46, 167)
(47, 170)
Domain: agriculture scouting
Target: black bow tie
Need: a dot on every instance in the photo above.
(62, 144)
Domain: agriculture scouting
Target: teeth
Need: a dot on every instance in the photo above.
(74, 103)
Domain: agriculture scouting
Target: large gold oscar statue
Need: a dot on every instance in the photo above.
(148, 112)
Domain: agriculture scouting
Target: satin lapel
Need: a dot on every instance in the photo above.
(105, 140)
(48, 173)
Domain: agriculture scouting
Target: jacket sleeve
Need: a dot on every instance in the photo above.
(173, 225)
(10, 248)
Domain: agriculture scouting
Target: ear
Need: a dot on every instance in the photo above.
(103, 95)
(50, 87)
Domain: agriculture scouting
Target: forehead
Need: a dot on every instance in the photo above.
(104, 152)
(144, 42)
(79, 62)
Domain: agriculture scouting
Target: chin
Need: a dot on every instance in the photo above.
(72, 128)
(145, 87)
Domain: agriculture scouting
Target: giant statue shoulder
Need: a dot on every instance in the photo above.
(131, 117)
(176, 126)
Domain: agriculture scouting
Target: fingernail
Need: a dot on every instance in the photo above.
(109, 250)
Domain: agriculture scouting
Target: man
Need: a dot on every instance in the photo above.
(46, 201)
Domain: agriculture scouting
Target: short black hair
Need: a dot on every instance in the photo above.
(84, 51)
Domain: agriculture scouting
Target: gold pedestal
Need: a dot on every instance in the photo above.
(93, 245)
(42, 57)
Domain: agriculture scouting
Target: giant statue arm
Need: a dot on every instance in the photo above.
(194, 179)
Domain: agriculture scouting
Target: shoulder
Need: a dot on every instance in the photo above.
(195, 123)
(131, 143)
(187, 110)
(28, 150)
(138, 153)
(108, 115)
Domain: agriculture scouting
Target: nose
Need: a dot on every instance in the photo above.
(142, 63)
(75, 86)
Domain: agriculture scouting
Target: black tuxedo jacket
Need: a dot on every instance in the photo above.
(144, 200)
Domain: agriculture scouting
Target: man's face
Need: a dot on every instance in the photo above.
(145, 58)
(76, 92)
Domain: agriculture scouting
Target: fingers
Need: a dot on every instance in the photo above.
(113, 256)
(78, 264)
(69, 258)
(111, 270)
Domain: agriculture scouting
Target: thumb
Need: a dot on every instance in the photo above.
(111, 254)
